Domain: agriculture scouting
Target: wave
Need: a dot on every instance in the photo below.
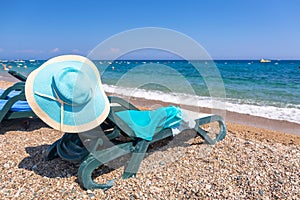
(289, 112)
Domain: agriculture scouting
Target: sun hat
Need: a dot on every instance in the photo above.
(67, 94)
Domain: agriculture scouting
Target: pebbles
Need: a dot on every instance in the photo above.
(240, 167)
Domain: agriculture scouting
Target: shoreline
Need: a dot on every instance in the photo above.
(231, 117)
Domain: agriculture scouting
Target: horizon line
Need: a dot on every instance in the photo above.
(159, 59)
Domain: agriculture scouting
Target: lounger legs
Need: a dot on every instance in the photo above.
(70, 147)
(98, 158)
(136, 159)
(94, 160)
(209, 119)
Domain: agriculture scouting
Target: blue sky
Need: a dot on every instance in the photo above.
(227, 29)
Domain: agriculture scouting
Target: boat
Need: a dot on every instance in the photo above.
(265, 61)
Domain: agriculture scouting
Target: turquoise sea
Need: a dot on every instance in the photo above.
(270, 90)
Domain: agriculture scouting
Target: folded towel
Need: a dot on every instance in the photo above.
(146, 124)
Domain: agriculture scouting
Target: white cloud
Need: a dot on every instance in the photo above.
(104, 53)
(26, 51)
(76, 51)
(115, 50)
(55, 50)
(31, 51)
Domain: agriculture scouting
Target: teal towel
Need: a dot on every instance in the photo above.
(147, 123)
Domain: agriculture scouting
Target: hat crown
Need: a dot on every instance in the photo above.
(72, 86)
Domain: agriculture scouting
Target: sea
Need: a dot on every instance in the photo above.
(270, 90)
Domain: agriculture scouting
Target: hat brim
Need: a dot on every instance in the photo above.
(75, 119)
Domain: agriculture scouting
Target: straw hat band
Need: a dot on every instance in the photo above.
(62, 103)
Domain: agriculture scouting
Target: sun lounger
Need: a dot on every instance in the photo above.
(12, 91)
(10, 95)
(70, 147)
(13, 103)
(67, 94)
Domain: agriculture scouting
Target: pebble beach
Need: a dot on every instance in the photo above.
(250, 163)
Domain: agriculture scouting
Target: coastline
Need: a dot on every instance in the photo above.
(250, 163)
(230, 117)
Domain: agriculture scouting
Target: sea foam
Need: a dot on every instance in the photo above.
(287, 113)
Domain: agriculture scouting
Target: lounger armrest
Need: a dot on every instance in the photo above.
(122, 102)
(17, 75)
(19, 86)
(205, 120)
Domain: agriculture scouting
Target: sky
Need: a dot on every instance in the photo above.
(227, 29)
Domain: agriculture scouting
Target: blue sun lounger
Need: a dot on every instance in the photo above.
(121, 122)
(13, 103)
(10, 95)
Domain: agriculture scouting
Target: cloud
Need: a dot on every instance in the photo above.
(115, 50)
(55, 50)
(76, 51)
(32, 51)
(26, 51)
(105, 53)
(1, 50)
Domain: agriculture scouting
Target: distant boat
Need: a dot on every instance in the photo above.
(31, 60)
(265, 61)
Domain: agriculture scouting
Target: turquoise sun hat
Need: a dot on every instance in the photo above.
(67, 94)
